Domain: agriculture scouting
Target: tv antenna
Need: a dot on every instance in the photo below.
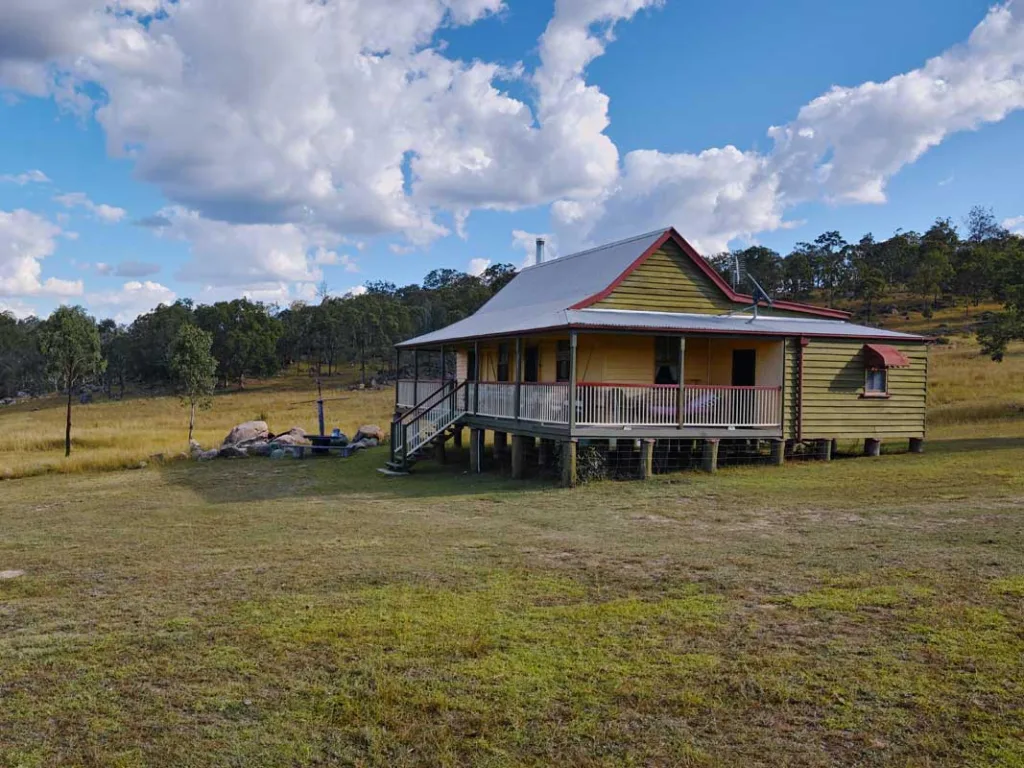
(737, 271)
(758, 294)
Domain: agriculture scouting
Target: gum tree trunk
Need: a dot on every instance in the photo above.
(191, 419)
(67, 430)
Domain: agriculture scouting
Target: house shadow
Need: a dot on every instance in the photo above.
(972, 444)
(242, 481)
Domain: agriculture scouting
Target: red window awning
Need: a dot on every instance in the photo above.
(884, 356)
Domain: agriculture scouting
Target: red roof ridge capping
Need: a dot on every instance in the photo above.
(884, 356)
(707, 269)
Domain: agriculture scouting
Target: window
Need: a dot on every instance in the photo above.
(878, 359)
(666, 360)
(876, 382)
(471, 365)
(562, 361)
(503, 362)
(531, 365)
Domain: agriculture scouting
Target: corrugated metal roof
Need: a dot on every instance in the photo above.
(539, 298)
(492, 324)
(561, 283)
(885, 356)
(539, 295)
(510, 323)
(764, 324)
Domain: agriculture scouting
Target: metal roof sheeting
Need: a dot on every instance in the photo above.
(764, 324)
(539, 298)
(884, 356)
(511, 323)
(561, 283)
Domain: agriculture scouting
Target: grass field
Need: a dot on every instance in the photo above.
(118, 434)
(864, 612)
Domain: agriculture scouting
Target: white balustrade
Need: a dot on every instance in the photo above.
(710, 406)
(411, 392)
(615, 404)
(406, 393)
(497, 399)
(436, 417)
(548, 403)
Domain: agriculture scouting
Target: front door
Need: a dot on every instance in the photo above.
(531, 365)
(744, 367)
(744, 374)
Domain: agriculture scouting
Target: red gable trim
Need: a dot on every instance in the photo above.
(708, 270)
(884, 356)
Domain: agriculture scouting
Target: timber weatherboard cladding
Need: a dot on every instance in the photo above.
(832, 402)
(790, 387)
(667, 282)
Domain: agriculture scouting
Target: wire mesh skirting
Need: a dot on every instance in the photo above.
(623, 459)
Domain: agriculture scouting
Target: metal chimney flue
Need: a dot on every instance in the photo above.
(540, 250)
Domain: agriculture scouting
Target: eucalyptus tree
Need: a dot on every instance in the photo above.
(70, 343)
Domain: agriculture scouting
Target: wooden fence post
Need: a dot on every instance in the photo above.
(710, 457)
(569, 464)
(647, 459)
(518, 447)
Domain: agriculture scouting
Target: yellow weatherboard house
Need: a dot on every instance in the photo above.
(642, 341)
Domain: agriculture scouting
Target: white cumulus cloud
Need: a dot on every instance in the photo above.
(131, 300)
(326, 258)
(1015, 224)
(527, 243)
(244, 256)
(341, 114)
(477, 267)
(279, 127)
(25, 240)
(29, 177)
(107, 213)
(842, 147)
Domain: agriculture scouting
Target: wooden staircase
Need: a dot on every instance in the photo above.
(429, 422)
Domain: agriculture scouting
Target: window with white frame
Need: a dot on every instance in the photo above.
(876, 381)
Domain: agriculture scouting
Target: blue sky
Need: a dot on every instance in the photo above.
(145, 158)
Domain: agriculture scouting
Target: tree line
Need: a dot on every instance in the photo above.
(247, 339)
(946, 265)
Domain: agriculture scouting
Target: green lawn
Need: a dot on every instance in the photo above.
(863, 612)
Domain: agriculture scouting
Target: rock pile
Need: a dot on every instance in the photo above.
(247, 432)
(253, 438)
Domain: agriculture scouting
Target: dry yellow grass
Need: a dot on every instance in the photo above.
(114, 435)
(968, 390)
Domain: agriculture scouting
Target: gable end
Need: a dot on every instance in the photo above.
(670, 276)
(667, 281)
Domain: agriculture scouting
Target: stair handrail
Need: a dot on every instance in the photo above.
(401, 427)
(443, 391)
